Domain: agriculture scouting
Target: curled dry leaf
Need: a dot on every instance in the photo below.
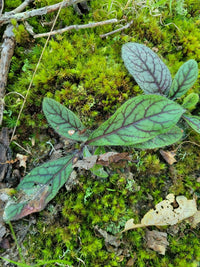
(22, 160)
(105, 160)
(168, 212)
(169, 156)
(86, 163)
(157, 241)
(109, 239)
(112, 157)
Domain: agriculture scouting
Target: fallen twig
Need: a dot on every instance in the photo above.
(77, 27)
(118, 30)
(6, 56)
(7, 17)
(29, 28)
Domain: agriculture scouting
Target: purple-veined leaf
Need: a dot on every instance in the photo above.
(38, 188)
(149, 71)
(63, 120)
(184, 79)
(161, 140)
(190, 101)
(137, 120)
(193, 121)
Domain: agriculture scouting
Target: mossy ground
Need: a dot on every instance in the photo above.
(86, 74)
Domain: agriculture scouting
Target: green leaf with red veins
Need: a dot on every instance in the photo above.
(184, 79)
(149, 71)
(38, 188)
(137, 120)
(193, 121)
(64, 121)
(162, 140)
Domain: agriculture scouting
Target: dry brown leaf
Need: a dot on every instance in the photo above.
(105, 160)
(112, 157)
(131, 262)
(157, 241)
(168, 212)
(109, 239)
(22, 160)
(86, 163)
(169, 156)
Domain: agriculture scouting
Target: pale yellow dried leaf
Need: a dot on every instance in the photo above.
(130, 225)
(166, 212)
(22, 160)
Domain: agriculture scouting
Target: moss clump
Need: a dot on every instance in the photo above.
(9, 5)
(74, 232)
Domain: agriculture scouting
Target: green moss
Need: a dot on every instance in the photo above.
(11, 4)
(21, 35)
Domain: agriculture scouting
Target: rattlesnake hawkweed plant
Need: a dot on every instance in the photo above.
(145, 121)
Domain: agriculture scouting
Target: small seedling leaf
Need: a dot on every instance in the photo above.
(63, 120)
(193, 121)
(149, 71)
(86, 152)
(161, 140)
(184, 79)
(190, 101)
(38, 188)
(99, 171)
(138, 120)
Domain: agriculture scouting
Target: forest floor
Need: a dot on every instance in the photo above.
(83, 70)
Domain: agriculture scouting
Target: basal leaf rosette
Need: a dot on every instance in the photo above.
(138, 120)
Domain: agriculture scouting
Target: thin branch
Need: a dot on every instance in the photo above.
(118, 30)
(6, 18)
(7, 50)
(6, 56)
(29, 28)
(77, 27)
